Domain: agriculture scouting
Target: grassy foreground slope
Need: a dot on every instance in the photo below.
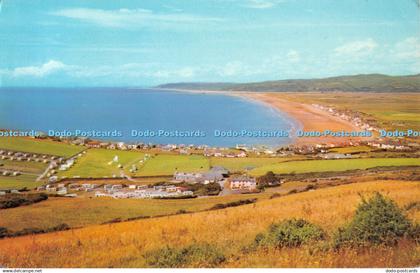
(338, 165)
(124, 244)
(39, 146)
(78, 212)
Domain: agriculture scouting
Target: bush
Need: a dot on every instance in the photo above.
(164, 258)
(290, 233)
(377, 221)
(29, 231)
(234, 204)
(16, 200)
(275, 195)
(112, 221)
(203, 189)
(182, 211)
(4, 232)
(267, 180)
(195, 255)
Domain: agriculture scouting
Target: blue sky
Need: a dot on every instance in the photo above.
(144, 43)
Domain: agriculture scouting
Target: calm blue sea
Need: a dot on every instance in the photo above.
(127, 109)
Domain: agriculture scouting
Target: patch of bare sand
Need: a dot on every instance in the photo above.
(310, 118)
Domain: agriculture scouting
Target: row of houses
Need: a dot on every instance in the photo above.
(133, 146)
(388, 145)
(353, 117)
(143, 192)
(215, 174)
(243, 183)
(228, 153)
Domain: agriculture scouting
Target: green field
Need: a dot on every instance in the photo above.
(99, 163)
(240, 164)
(333, 165)
(78, 212)
(168, 164)
(23, 166)
(30, 171)
(351, 150)
(19, 182)
(39, 146)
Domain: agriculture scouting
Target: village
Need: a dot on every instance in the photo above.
(178, 187)
(56, 164)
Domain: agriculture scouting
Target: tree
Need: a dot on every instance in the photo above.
(269, 179)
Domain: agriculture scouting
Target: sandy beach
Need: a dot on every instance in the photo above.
(309, 117)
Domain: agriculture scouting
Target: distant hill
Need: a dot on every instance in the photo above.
(356, 83)
(198, 85)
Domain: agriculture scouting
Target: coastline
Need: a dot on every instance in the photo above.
(308, 117)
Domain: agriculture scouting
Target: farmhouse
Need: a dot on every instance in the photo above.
(243, 183)
(221, 170)
(188, 177)
(211, 177)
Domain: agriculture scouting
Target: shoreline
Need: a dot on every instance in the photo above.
(308, 117)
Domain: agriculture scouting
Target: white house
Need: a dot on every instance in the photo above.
(243, 183)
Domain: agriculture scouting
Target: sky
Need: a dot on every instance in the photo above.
(149, 42)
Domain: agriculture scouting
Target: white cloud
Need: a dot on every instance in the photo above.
(356, 48)
(47, 68)
(176, 73)
(129, 18)
(262, 4)
(408, 49)
(293, 56)
(234, 69)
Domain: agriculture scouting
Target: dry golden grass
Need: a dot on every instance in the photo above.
(123, 244)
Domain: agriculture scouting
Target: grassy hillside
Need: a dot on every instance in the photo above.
(39, 146)
(356, 83)
(125, 244)
(79, 212)
(197, 85)
(168, 164)
(337, 165)
(19, 182)
(98, 163)
(241, 164)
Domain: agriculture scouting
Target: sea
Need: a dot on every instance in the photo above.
(141, 115)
